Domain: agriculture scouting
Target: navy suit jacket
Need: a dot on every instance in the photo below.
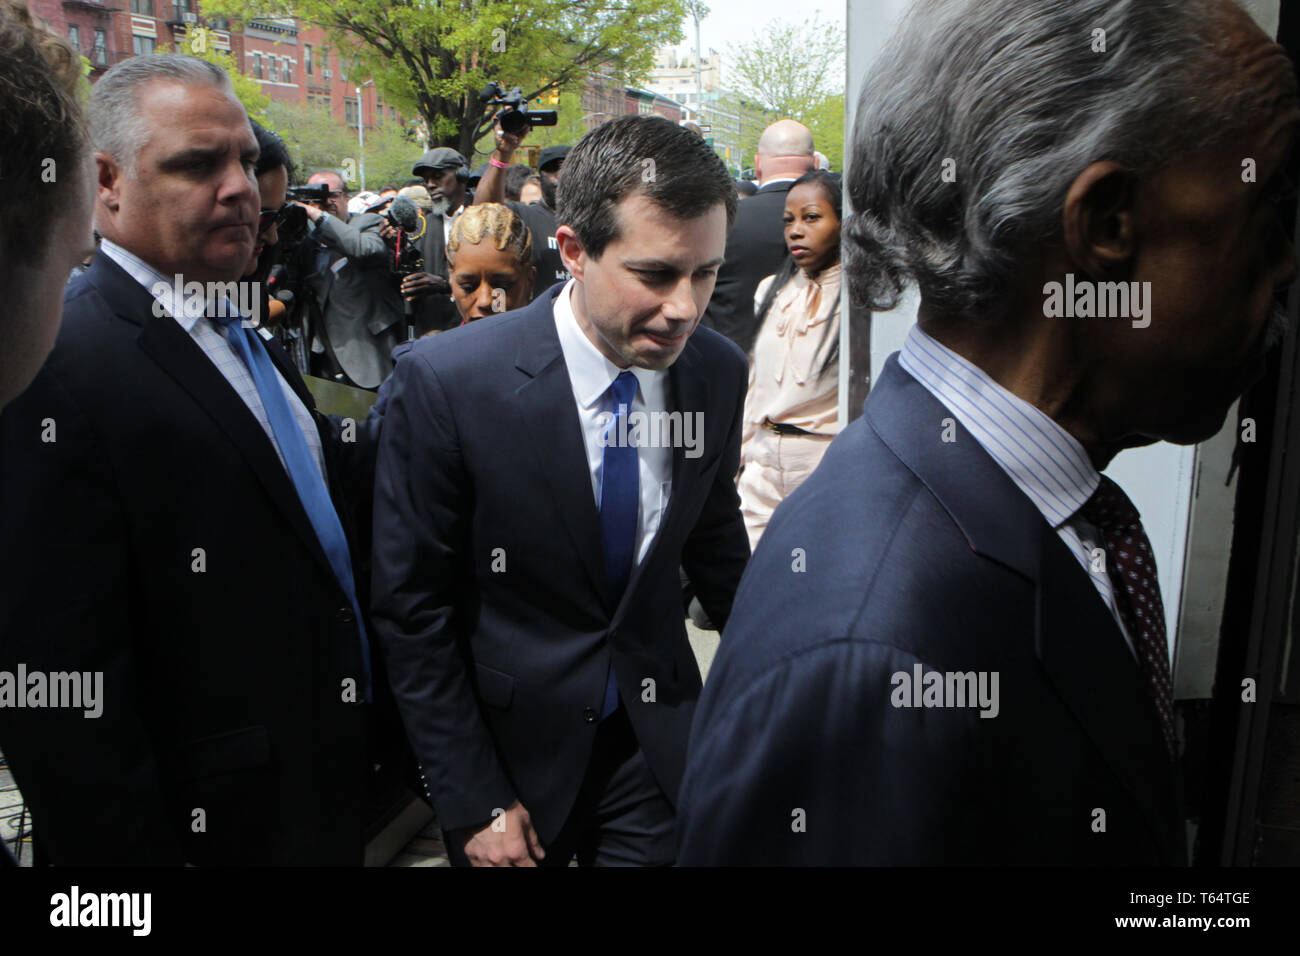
(488, 579)
(222, 668)
(903, 550)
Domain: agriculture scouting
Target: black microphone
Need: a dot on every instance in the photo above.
(404, 215)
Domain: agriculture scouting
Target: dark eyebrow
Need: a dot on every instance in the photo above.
(659, 265)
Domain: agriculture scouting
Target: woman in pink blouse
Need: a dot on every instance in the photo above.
(791, 409)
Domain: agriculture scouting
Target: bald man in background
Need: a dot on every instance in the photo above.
(756, 244)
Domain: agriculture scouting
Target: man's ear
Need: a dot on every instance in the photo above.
(108, 181)
(572, 254)
(1098, 221)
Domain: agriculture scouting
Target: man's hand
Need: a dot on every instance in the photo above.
(507, 143)
(388, 232)
(313, 213)
(509, 840)
(419, 284)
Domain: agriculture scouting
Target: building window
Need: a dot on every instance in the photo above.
(142, 6)
(74, 36)
(180, 8)
(142, 45)
(99, 55)
(306, 58)
(350, 111)
(257, 66)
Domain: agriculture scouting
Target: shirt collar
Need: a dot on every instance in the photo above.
(168, 291)
(1045, 461)
(589, 371)
(824, 278)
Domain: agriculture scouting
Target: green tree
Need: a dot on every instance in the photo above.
(316, 140)
(826, 120)
(792, 68)
(431, 59)
(198, 42)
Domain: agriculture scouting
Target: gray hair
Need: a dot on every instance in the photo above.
(1013, 94)
(116, 126)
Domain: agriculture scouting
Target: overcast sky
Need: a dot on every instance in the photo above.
(734, 21)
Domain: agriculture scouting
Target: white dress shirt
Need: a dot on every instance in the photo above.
(1044, 460)
(591, 375)
(188, 313)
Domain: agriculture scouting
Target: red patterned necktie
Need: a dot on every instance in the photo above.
(1132, 570)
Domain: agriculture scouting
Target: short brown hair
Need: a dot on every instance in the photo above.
(646, 155)
(42, 131)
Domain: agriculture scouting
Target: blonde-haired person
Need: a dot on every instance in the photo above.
(490, 254)
(792, 406)
(490, 258)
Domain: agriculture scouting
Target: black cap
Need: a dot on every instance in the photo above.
(551, 154)
(440, 158)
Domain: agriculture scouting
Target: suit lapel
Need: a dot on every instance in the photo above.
(167, 344)
(1088, 662)
(549, 416)
(1078, 642)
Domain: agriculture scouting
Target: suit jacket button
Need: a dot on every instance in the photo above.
(345, 615)
(589, 715)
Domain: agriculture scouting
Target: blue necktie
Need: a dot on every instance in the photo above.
(620, 500)
(302, 467)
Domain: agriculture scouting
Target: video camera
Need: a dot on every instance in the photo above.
(316, 192)
(514, 118)
(292, 223)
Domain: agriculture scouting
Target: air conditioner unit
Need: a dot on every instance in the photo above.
(190, 17)
(328, 74)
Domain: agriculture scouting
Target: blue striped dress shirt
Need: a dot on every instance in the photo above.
(219, 352)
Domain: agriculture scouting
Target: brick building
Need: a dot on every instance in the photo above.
(292, 63)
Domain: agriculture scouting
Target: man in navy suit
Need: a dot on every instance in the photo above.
(543, 476)
(950, 645)
(756, 246)
(176, 516)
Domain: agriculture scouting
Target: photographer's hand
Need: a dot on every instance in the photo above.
(507, 143)
(313, 213)
(492, 187)
(419, 284)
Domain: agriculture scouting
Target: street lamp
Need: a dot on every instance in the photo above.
(361, 131)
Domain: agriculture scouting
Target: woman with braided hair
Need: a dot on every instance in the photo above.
(490, 252)
(490, 258)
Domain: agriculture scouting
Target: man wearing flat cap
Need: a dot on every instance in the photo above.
(445, 173)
